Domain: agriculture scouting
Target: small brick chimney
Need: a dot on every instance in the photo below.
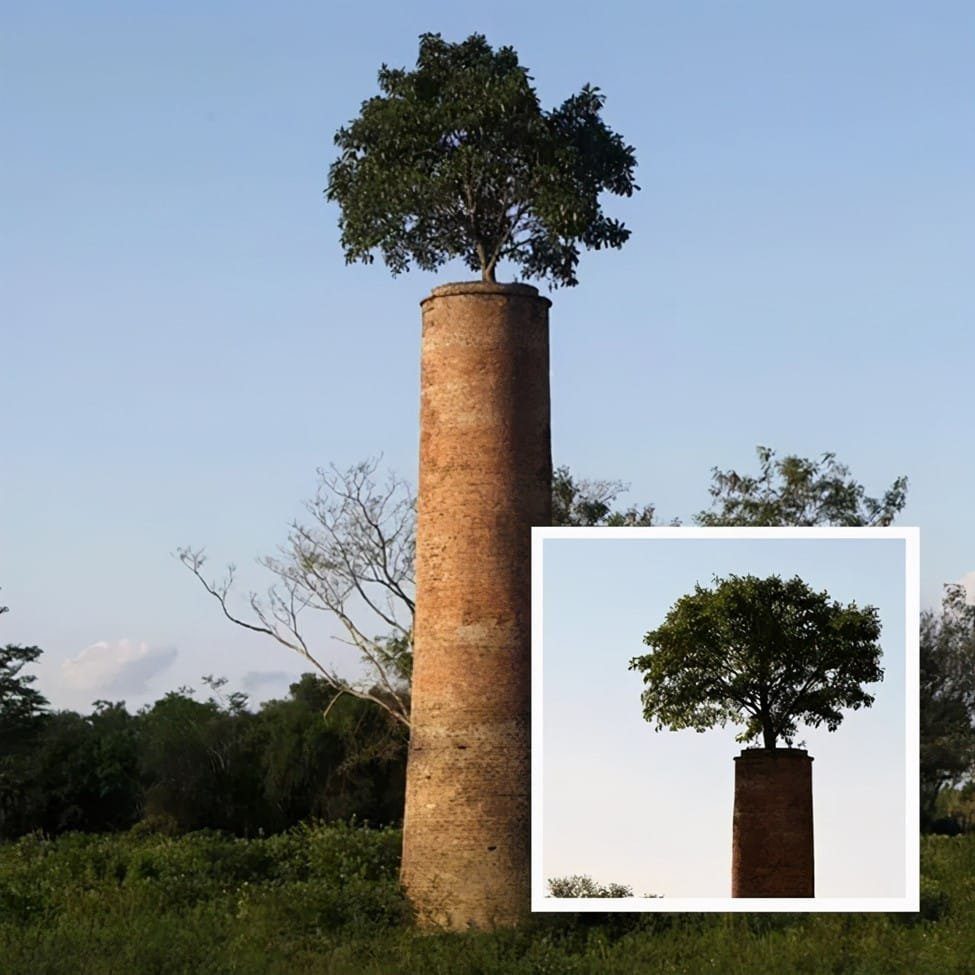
(772, 836)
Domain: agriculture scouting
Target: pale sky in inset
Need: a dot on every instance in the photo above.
(183, 343)
(653, 809)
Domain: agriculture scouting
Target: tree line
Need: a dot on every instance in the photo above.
(353, 558)
(335, 749)
(188, 762)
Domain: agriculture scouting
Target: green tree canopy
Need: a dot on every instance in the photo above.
(765, 653)
(351, 764)
(579, 502)
(23, 710)
(20, 703)
(457, 159)
(82, 773)
(947, 679)
(800, 492)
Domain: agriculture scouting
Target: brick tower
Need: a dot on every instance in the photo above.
(485, 480)
(772, 837)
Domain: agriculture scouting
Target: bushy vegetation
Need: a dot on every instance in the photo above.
(581, 885)
(186, 764)
(140, 902)
(325, 899)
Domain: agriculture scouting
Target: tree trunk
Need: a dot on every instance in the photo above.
(768, 730)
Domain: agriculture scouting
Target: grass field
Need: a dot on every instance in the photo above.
(326, 900)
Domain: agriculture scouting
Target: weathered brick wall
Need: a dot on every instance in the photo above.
(485, 479)
(772, 841)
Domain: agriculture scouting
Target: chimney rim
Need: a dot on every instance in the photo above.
(751, 754)
(488, 288)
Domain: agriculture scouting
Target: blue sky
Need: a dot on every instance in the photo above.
(183, 344)
(669, 795)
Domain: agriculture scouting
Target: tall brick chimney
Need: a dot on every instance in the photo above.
(772, 836)
(485, 480)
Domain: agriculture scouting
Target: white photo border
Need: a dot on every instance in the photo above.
(540, 902)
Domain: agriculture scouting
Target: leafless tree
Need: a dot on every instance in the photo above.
(354, 560)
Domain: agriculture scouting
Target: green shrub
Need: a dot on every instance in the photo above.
(156, 824)
(935, 900)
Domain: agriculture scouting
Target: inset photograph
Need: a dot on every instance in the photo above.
(725, 719)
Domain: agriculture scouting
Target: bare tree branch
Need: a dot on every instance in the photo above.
(354, 559)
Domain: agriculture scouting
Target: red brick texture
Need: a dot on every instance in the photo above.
(772, 841)
(485, 480)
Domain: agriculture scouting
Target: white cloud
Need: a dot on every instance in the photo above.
(119, 667)
(968, 581)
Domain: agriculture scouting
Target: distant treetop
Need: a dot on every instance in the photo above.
(798, 492)
(458, 160)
